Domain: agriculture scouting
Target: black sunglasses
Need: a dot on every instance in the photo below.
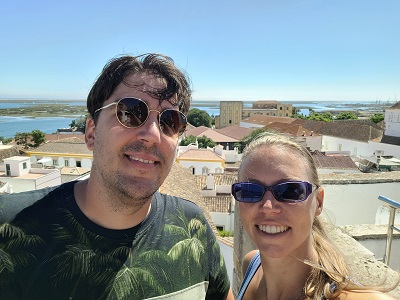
(133, 113)
(290, 191)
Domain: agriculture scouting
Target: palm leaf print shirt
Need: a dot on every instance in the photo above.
(51, 250)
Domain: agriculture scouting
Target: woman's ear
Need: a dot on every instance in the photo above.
(320, 193)
(90, 133)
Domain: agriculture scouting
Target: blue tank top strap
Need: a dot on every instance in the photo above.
(251, 270)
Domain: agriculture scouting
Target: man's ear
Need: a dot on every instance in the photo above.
(90, 133)
(320, 193)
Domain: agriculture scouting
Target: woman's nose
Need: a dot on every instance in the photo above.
(269, 202)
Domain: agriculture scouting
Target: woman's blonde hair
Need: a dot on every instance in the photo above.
(329, 275)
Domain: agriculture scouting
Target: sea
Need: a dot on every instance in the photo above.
(10, 125)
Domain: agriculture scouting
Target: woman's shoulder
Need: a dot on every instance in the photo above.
(363, 295)
(247, 259)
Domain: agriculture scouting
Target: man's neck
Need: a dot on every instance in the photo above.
(96, 206)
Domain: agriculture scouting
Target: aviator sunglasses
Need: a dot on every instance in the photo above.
(133, 113)
(290, 191)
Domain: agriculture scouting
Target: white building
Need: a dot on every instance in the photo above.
(68, 152)
(358, 148)
(17, 172)
(392, 120)
(202, 161)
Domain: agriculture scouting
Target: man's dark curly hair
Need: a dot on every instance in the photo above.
(177, 89)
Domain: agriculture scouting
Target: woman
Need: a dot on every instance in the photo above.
(280, 201)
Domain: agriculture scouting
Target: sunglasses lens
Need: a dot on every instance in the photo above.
(132, 112)
(291, 191)
(247, 192)
(172, 122)
(284, 192)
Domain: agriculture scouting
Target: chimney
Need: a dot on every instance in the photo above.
(210, 182)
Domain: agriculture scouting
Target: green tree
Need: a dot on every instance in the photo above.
(79, 123)
(298, 116)
(346, 115)
(212, 119)
(247, 139)
(198, 117)
(324, 117)
(191, 139)
(376, 118)
(38, 138)
(25, 139)
(203, 141)
(21, 138)
(4, 140)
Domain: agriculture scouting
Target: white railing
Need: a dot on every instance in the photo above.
(393, 205)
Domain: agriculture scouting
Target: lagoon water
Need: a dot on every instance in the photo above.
(9, 125)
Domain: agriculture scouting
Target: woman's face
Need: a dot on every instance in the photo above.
(279, 229)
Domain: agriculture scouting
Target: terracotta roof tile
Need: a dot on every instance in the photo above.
(217, 137)
(265, 120)
(196, 131)
(180, 183)
(396, 105)
(289, 128)
(393, 140)
(8, 151)
(334, 162)
(352, 131)
(236, 132)
(221, 204)
(203, 154)
(64, 146)
(54, 136)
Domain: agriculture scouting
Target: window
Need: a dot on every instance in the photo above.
(78, 164)
(24, 165)
(55, 162)
(192, 169)
(66, 162)
(205, 170)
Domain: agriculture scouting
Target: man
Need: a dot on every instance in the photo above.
(113, 236)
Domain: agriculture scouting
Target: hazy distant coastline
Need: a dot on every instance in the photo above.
(25, 115)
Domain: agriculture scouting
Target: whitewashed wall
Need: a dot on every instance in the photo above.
(223, 219)
(378, 246)
(50, 177)
(392, 122)
(353, 204)
(20, 185)
(198, 165)
(357, 148)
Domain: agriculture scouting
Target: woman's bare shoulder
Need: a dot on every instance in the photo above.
(247, 259)
(363, 295)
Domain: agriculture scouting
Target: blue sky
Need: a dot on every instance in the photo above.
(232, 50)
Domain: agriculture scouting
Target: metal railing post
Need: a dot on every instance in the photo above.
(393, 205)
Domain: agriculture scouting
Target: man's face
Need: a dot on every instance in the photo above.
(131, 163)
